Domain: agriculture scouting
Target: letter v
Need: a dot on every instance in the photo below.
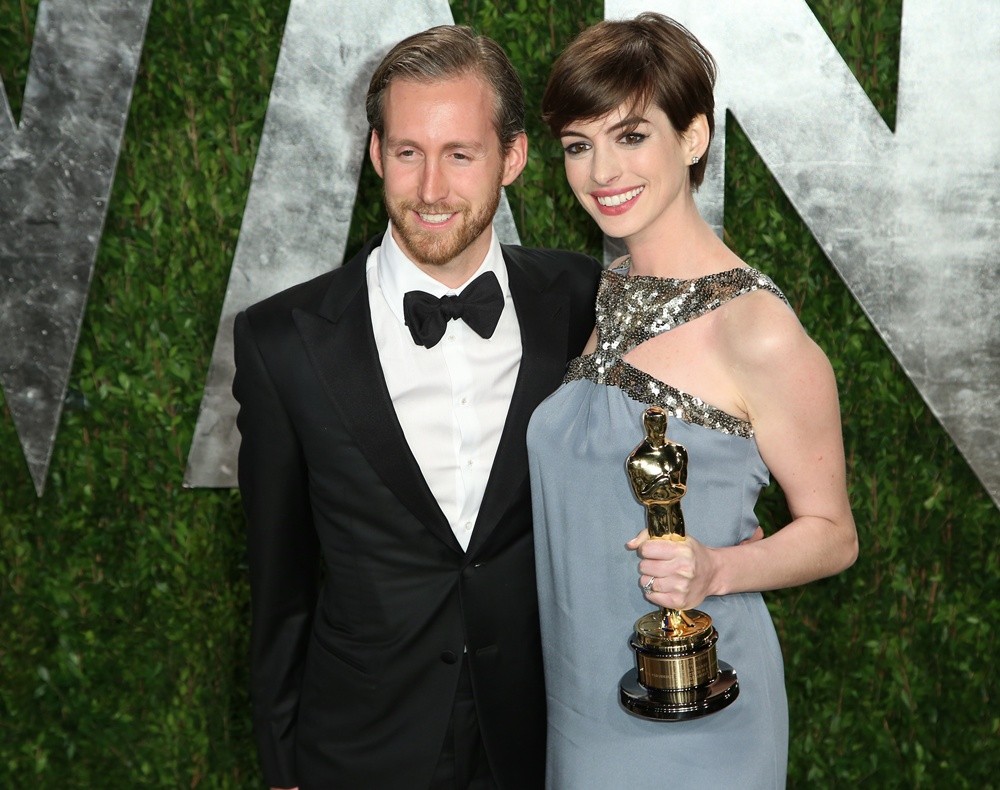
(56, 171)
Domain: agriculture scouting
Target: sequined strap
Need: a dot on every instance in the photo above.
(634, 309)
(642, 387)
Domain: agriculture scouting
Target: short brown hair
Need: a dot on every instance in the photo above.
(445, 52)
(649, 59)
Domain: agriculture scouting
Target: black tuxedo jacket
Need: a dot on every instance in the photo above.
(354, 668)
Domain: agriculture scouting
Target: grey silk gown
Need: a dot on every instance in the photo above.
(588, 591)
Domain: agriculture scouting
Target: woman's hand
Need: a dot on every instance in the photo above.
(674, 572)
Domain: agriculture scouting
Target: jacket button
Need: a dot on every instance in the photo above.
(448, 657)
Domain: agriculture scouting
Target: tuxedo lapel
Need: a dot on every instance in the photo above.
(341, 346)
(543, 318)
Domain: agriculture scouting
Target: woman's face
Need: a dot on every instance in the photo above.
(628, 170)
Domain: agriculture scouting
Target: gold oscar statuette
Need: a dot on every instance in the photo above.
(677, 675)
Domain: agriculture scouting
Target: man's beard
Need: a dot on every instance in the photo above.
(431, 248)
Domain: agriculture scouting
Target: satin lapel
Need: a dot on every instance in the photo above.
(543, 318)
(341, 345)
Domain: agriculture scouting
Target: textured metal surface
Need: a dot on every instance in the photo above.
(298, 212)
(911, 218)
(56, 170)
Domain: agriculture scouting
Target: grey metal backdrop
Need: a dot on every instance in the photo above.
(56, 170)
(908, 216)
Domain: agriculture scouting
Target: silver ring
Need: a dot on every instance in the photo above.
(648, 586)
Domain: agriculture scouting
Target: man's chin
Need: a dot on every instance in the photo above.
(428, 246)
(433, 248)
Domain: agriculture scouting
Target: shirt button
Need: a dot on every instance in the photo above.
(468, 526)
(464, 401)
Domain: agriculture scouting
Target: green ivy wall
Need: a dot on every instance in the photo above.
(123, 597)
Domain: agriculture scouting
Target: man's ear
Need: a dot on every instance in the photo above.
(375, 152)
(696, 137)
(515, 159)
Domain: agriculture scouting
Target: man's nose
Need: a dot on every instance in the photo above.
(433, 183)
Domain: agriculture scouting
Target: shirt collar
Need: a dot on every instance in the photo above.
(397, 274)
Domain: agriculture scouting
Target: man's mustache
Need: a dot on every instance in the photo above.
(435, 208)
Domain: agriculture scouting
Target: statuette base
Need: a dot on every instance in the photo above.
(677, 675)
(678, 704)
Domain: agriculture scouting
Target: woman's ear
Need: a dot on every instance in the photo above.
(696, 137)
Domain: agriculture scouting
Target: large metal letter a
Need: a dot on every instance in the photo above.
(298, 212)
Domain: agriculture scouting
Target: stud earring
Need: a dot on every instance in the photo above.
(695, 160)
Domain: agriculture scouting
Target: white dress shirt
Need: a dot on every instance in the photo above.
(451, 400)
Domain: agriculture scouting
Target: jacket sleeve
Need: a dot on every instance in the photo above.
(283, 554)
(583, 298)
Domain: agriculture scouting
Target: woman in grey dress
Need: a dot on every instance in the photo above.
(684, 324)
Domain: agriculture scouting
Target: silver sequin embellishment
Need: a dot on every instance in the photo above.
(631, 310)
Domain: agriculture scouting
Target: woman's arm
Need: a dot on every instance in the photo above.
(788, 391)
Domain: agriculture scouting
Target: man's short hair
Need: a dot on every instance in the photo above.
(446, 52)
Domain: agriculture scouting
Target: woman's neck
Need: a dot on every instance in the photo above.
(681, 246)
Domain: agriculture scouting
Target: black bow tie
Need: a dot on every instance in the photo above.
(479, 305)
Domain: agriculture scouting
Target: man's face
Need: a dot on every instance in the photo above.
(442, 167)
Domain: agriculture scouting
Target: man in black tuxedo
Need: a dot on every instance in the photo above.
(383, 409)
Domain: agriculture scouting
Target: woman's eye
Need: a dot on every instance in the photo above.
(575, 148)
(633, 138)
